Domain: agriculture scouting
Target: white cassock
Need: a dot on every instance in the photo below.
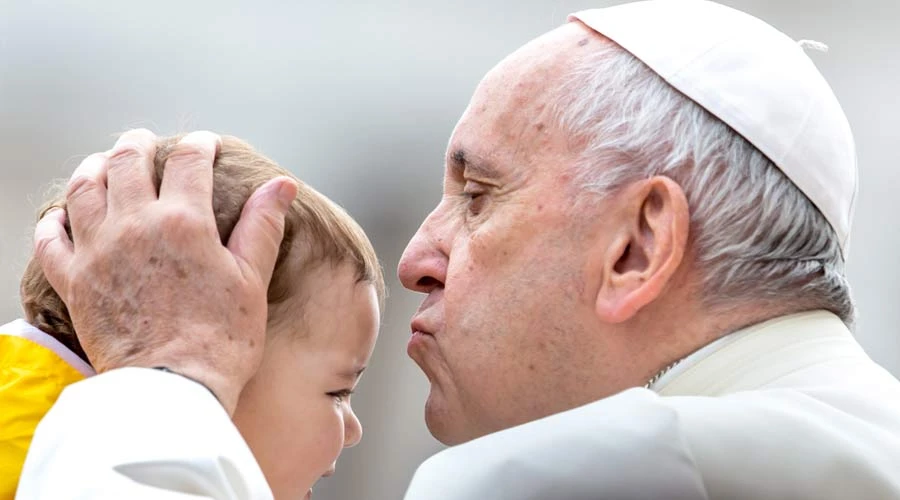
(792, 408)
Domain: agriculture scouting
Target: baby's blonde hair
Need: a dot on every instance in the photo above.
(317, 231)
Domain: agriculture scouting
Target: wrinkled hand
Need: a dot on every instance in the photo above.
(148, 282)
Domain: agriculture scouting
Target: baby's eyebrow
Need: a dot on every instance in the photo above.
(353, 374)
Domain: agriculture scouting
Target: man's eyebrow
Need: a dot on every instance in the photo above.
(461, 161)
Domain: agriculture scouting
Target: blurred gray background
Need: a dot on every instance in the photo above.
(359, 99)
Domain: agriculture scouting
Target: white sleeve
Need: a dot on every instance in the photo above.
(139, 434)
(628, 446)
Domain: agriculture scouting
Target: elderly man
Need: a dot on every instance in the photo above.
(634, 283)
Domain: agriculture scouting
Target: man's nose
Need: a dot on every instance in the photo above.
(423, 266)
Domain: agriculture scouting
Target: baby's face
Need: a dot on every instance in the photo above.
(295, 413)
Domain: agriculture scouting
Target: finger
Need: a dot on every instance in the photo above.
(188, 176)
(258, 233)
(52, 248)
(131, 171)
(86, 196)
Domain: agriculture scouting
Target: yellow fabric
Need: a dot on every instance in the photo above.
(31, 379)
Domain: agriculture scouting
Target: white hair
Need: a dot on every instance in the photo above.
(756, 236)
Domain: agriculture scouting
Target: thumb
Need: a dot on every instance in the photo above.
(53, 249)
(258, 233)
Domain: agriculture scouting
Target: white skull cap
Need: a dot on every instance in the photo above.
(755, 79)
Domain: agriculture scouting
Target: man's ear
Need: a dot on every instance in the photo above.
(648, 248)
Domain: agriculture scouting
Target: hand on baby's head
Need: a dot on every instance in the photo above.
(188, 287)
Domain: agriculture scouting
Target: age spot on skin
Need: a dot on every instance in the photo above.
(134, 349)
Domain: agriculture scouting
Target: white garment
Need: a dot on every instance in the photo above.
(137, 433)
(792, 408)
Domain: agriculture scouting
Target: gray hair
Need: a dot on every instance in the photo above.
(755, 235)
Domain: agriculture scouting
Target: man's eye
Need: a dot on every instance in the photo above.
(474, 195)
(475, 201)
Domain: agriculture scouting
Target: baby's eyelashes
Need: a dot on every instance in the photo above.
(341, 395)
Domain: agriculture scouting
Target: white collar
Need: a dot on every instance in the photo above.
(753, 356)
(23, 329)
(692, 359)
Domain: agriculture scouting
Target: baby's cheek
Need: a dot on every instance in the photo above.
(328, 440)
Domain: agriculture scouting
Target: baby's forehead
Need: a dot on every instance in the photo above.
(328, 301)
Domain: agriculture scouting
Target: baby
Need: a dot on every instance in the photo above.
(324, 299)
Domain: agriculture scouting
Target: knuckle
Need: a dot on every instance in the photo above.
(181, 219)
(42, 247)
(79, 185)
(129, 230)
(187, 153)
(127, 153)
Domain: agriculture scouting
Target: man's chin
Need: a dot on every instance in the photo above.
(445, 425)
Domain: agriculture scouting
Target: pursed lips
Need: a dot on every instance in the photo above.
(422, 321)
(421, 341)
(419, 325)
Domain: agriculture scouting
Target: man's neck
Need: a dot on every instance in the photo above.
(703, 332)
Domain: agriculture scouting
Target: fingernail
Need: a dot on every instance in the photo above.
(132, 138)
(202, 138)
(55, 212)
(287, 192)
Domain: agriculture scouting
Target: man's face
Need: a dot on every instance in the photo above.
(504, 258)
